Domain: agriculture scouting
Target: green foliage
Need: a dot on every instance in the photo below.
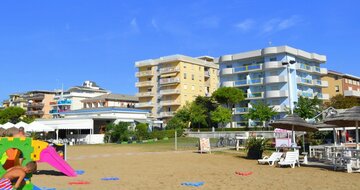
(307, 108)
(197, 114)
(142, 131)
(221, 115)
(228, 96)
(11, 114)
(28, 120)
(261, 112)
(255, 147)
(117, 132)
(343, 102)
(165, 134)
(209, 105)
(175, 123)
(184, 113)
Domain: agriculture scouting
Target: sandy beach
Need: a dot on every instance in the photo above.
(138, 168)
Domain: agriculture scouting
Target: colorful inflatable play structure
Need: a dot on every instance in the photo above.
(32, 150)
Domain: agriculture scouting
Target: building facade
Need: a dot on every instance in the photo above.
(340, 83)
(263, 76)
(111, 100)
(72, 98)
(167, 83)
(38, 103)
(16, 100)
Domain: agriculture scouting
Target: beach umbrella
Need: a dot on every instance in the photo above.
(349, 118)
(21, 124)
(2, 130)
(11, 131)
(294, 123)
(8, 125)
(327, 127)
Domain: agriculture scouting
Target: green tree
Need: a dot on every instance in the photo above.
(176, 123)
(209, 104)
(142, 131)
(117, 132)
(228, 96)
(12, 114)
(197, 114)
(261, 112)
(343, 102)
(221, 115)
(307, 108)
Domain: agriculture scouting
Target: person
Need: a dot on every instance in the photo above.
(17, 174)
(21, 133)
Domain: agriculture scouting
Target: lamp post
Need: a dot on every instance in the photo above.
(289, 81)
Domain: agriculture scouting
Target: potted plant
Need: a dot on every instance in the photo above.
(255, 147)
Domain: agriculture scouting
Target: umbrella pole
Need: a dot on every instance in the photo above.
(357, 134)
(293, 136)
(335, 137)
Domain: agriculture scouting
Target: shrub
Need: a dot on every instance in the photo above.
(142, 132)
(255, 147)
(117, 132)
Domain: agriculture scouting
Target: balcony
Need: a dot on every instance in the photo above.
(241, 110)
(254, 96)
(242, 124)
(64, 102)
(35, 105)
(304, 81)
(352, 93)
(273, 65)
(53, 111)
(144, 105)
(170, 91)
(275, 79)
(169, 70)
(207, 74)
(169, 81)
(170, 103)
(239, 83)
(34, 96)
(167, 114)
(144, 94)
(321, 83)
(279, 108)
(312, 69)
(144, 73)
(38, 112)
(276, 93)
(243, 69)
(305, 94)
(322, 96)
(144, 84)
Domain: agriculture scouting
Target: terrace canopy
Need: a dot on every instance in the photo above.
(21, 124)
(8, 125)
(294, 123)
(38, 127)
(349, 118)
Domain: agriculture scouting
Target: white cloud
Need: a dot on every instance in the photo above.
(277, 24)
(134, 25)
(245, 25)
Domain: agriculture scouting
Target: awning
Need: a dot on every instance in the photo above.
(65, 123)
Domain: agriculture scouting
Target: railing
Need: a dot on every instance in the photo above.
(145, 83)
(322, 96)
(167, 114)
(240, 110)
(169, 102)
(306, 94)
(144, 104)
(169, 80)
(144, 94)
(169, 70)
(35, 105)
(247, 68)
(207, 74)
(34, 96)
(255, 95)
(144, 73)
(64, 102)
(54, 111)
(248, 82)
(39, 112)
(170, 91)
(305, 81)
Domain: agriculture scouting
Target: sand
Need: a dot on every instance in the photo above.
(138, 168)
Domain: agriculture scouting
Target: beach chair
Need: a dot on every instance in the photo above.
(291, 158)
(274, 157)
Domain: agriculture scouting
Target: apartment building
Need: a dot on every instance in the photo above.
(274, 75)
(38, 103)
(72, 98)
(167, 83)
(16, 100)
(340, 83)
(111, 100)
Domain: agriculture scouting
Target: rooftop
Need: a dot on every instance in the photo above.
(115, 97)
(343, 74)
(102, 110)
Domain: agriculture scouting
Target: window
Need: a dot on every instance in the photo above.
(149, 79)
(185, 86)
(337, 89)
(192, 87)
(148, 68)
(149, 89)
(192, 77)
(184, 75)
(228, 66)
(346, 80)
(273, 59)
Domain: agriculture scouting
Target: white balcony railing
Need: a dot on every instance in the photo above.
(144, 94)
(169, 80)
(169, 70)
(242, 69)
(167, 114)
(145, 83)
(352, 93)
(254, 95)
(144, 104)
(276, 93)
(169, 102)
(144, 73)
(241, 110)
(170, 91)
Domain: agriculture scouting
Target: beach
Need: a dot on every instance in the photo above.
(142, 168)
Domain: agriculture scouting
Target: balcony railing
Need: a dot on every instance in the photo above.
(54, 111)
(169, 102)
(169, 80)
(144, 73)
(170, 91)
(207, 74)
(38, 112)
(241, 110)
(35, 105)
(247, 68)
(306, 94)
(255, 95)
(144, 94)
(248, 82)
(34, 96)
(169, 70)
(308, 68)
(322, 96)
(64, 102)
(145, 83)
(167, 114)
(144, 104)
(305, 81)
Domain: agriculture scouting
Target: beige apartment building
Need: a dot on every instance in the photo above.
(167, 83)
(38, 103)
(340, 83)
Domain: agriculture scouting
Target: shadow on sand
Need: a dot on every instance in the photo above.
(49, 172)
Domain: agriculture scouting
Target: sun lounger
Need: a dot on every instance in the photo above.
(291, 158)
(275, 157)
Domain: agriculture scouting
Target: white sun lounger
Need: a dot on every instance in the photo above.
(274, 157)
(291, 158)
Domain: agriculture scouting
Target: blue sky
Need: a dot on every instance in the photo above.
(44, 44)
